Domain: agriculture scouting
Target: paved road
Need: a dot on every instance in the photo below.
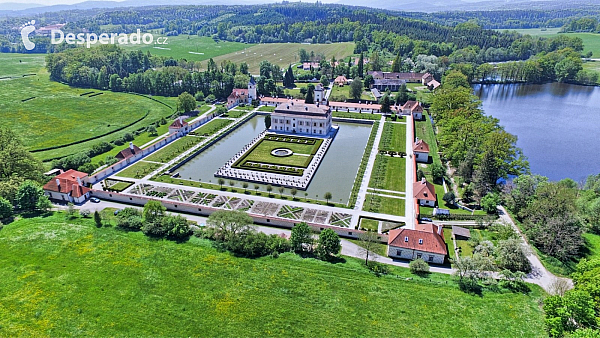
(539, 274)
(410, 211)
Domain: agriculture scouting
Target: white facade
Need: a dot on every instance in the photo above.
(252, 91)
(300, 124)
(319, 94)
(411, 254)
(66, 197)
(426, 203)
(421, 157)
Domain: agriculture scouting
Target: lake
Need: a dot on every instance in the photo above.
(558, 125)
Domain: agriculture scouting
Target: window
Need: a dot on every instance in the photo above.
(315, 124)
(268, 220)
(320, 124)
(398, 252)
(419, 255)
(199, 209)
(420, 241)
(406, 239)
(430, 258)
(350, 233)
(131, 199)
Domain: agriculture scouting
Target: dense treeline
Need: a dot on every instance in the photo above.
(474, 143)
(582, 25)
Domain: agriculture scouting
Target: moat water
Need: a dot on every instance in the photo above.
(335, 174)
(557, 125)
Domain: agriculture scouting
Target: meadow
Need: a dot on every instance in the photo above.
(284, 54)
(591, 41)
(64, 277)
(49, 114)
(191, 48)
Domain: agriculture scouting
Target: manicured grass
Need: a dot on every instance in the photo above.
(369, 224)
(284, 54)
(380, 248)
(393, 137)
(212, 127)
(234, 114)
(120, 186)
(424, 131)
(139, 169)
(58, 115)
(174, 149)
(337, 92)
(385, 205)
(66, 278)
(363, 116)
(449, 242)
(266, 108)
(262, 153)
(389, 173)
(191, 48)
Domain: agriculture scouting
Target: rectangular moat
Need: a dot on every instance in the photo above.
(335, 173)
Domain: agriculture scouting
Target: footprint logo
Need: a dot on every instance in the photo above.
(27, 29)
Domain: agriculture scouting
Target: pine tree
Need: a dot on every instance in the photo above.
(361, 65)
(396, 64)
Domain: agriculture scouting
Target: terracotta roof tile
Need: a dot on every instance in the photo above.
(421, 147)
(424, 190)
(426, 238)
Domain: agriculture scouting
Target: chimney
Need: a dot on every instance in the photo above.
(440, 229)
(317, 103)
(181, 119)
(131, 145)
(57, 182)
(79, 181)
(423, 180)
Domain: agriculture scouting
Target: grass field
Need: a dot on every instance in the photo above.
(369, 224)
(57, 114)
(267, 108)
(191, 48)
(212, 127)
(139, 169)
(171, 151)
(389, 173)
(385, 205)
(591, 41)
(66, 278)
(363, 116)
(344, 92)
(393, 137)
(284, 54)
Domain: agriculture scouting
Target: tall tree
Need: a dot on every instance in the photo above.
(361, 63)
(397, 63)
(310, 94)
(329, 244)
(356, 88)
(301, 238)
(186, 102)
(230, 225)
(369, 244)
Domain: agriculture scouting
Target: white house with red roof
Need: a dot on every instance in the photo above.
(128, 152)
(244, 96)
(425, 242)
(421, 150)
(179, 126)
(340, 80)
(414, 108)
(424, 193)
(69, 187)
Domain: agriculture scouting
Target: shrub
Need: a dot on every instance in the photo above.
(378, 268)
(6, 208)
(85, 213)
(419, 267)
(129, 218)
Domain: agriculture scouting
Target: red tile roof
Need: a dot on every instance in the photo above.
(67, 184)
(354, 105)
(421, 147)
(424, 190)
(414, 106)
(179, 123)
(128, 152)
(340, 79)
(431, 240)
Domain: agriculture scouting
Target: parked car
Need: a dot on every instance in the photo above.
(425, 219)
(94, 200)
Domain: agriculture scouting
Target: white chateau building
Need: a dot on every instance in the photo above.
(301, 118)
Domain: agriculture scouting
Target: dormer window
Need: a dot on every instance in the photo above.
(420, 241)
(406, 239)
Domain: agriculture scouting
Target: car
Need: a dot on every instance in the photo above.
(425, 219)
(94, 200)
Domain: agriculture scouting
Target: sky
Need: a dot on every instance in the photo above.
(43, 2)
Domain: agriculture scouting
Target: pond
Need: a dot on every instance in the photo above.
(557, 125)
(335, 174)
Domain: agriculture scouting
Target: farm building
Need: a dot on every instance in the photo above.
(421, 150)
(424, 192)
(68, 186)
(425, 242)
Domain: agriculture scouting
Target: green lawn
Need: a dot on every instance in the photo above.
(59, 115)
(424, 131)
(212, 127)
(389, 173)
(363, 116)
(342, 93)
(66, 278)
(191, 48)
(139, 169)
(171, 151)
(283, 54)
(234, 114)
(385, 205)
(303, 153)
(369, 224)
(267, 108)
(393, 137)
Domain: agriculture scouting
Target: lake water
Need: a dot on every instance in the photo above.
(335, 174)
(557, 124)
